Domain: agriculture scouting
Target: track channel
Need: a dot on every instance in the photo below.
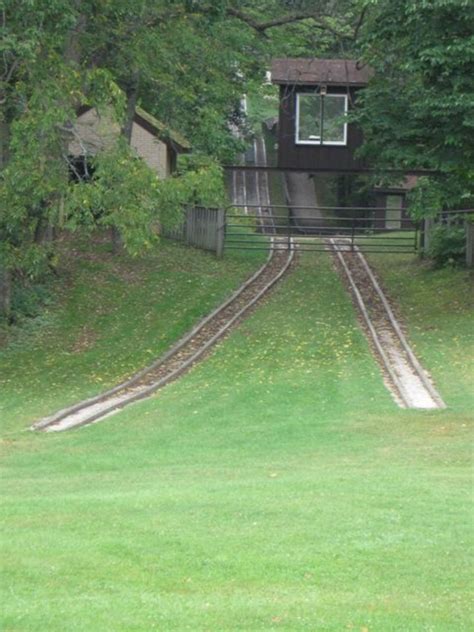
(406, 379)
(250, 189)
(182, 356)
(262, 188)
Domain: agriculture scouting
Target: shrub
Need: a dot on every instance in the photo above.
(448, 244)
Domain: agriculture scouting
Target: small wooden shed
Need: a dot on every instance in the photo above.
(315, 97)
(156, 144)
(392, 204)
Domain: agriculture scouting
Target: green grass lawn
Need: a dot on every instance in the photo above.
(110, 316)
(437, 305)
(275, 487)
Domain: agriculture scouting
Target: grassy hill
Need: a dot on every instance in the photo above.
(108, 317)
(274, 487)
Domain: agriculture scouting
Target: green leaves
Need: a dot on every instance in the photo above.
(418, 111)
(126, 194)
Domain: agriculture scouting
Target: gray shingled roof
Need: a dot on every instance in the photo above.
(341, 72)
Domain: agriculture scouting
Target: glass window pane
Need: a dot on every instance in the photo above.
(334, 123)
(309, 117)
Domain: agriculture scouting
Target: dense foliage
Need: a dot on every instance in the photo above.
(188, 63)
(58, 56)
(418, 111)
(448, 243)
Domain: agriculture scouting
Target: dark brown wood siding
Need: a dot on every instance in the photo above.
(307, 157)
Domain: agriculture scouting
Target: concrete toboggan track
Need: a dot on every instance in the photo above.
(405, 378)
(191, 348)
(196, 344)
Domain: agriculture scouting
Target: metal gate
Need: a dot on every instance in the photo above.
(249, 227)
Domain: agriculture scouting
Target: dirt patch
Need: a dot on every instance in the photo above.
(84, 341)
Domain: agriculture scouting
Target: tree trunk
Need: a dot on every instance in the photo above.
(4, 143)
(72, 49)
(5, 292)
(5, 274)
(44, 233)
(469, 244)
(131, 93)
(117, 243)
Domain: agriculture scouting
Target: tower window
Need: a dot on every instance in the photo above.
(321, 119)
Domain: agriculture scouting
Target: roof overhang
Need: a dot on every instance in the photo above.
(172, 139)
(314, 72)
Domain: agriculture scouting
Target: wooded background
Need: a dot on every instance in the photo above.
(188, 62)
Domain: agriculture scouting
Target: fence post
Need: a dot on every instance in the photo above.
(428, 227)
(469, 243)
(220, 232)
(421, 238)
(187, 217)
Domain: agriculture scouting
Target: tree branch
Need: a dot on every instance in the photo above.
(261, 27)
(360, 21)
(320, 22)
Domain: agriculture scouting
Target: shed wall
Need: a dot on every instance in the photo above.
(153, 151)
(97, 133)
(307, 157)
(93, 133)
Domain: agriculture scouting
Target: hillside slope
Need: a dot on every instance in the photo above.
(108, 317)
(274, 487)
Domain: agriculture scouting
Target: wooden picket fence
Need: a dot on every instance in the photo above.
(202, 228)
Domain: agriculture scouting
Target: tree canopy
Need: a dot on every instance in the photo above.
(188, 62)
(418, 111)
